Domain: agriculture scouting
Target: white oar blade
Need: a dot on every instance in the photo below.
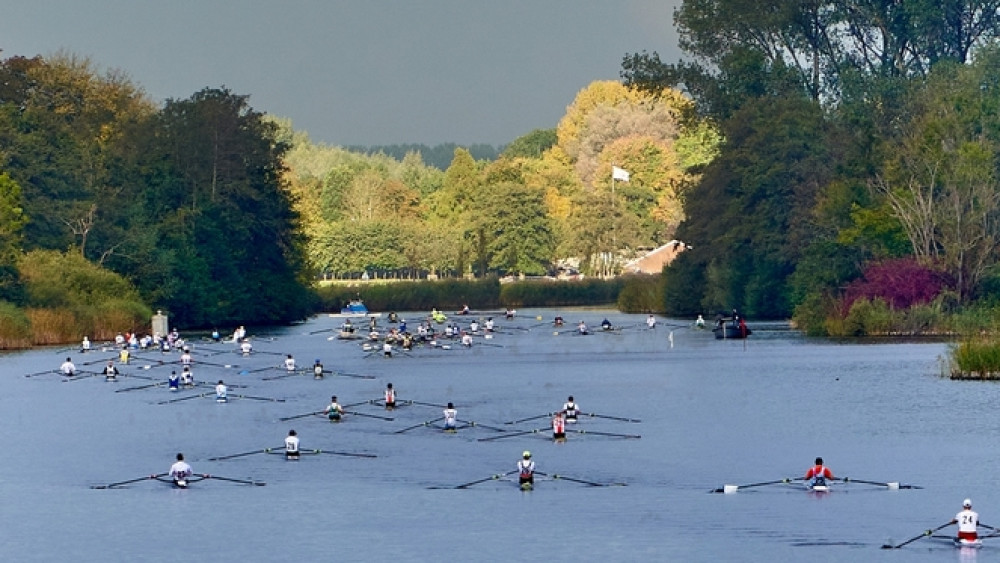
(729, 489)
(893, 486)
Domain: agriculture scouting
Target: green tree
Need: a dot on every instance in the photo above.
(514, 220)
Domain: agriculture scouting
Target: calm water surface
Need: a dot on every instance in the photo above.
(713, 413)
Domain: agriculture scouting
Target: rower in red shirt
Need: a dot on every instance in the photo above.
(819, 473)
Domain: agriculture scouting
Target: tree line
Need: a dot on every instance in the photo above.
(861, 149)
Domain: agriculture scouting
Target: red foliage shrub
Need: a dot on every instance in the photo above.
(901, 282)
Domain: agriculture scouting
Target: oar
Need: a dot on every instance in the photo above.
(426, 423)
(303, 415)
(282, 376)
(120, 483)
(556, 476)
(355, 375)
(241, 481)
(890, 485)
(48, 371)
(271, 399)
(512, 434)
(427, 404)
(529, 418)
(915, 538)
(242, 454)
(623, 419)
(605, 433)
(477, 425)
(349, 454)
(356, 413)
(139, 387)
(477, 481)
(733, 488)
(92, 362)
(266, 368)
(198, 396)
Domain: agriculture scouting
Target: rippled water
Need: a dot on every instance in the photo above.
(713, 412)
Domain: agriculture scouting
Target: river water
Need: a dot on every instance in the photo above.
(713, 413)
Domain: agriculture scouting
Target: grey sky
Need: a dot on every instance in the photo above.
(360, 72)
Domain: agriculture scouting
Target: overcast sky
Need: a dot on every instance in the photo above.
(361, 72)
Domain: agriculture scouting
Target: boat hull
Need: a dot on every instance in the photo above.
(730, 332)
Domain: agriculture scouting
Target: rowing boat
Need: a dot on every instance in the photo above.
(968, 544)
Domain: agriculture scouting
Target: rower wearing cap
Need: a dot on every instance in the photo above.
(180, 471)
(526, 469)
(818, 474)
(967, 521)
(292, 445)
(570, 409)
(450, 418)
(317, 370)
(334, 411)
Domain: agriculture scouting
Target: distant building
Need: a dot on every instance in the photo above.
(654, 261)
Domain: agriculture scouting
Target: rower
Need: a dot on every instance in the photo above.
(559, 426)
(473, 326)
(317, 370)
(186, 358)
(85, 345)
(651, 321)
(466, 339)
(818, 474)
(289, 363)
(393, 317)
(124, 355)
(292, 445)
(187, 378)
(333, 411)
(558, 321)
(246, 347)
(174, 382)
(387, 349)
(111, 373)
(510, 314)
(700, 323)
(390, 397)
(119, 339)
(489, 324)
(606, 324)
(967, 521)
(180, 471)
(526, 469)
(68, 368)
(216, 336)
(465, 310)
(220, 392)
(164, 346)
(450, 418)
(571, 409)
(582, 328)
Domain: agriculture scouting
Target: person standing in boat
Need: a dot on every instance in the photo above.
(526, 469)
(571, 409)
(450, 417)
(334, 411)
(968, 521)
(390, 397)
(292, 445)
(180, 470)
(818, 474)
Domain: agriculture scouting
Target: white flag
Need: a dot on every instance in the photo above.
(619, 174)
